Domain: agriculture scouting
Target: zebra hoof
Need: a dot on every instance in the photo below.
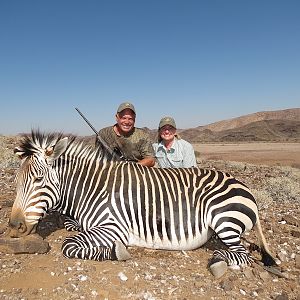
(121, 251)
(218, 269)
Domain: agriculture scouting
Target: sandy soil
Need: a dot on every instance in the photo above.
(280, 154)
(156, 275)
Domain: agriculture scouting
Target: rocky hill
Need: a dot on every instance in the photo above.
(292, 114)
(277, 126)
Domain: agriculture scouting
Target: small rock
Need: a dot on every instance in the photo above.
(148, 296)
(248, 273)
(282, 255)
(227, 285)
(297, 260)
(72, 288)
(2, 229)
(291, 221)
(259, 290)
(254, 294)
(28, 244)
(148, 277)
(283, 296)
(122, 276)
(265, 276)
(295, 233)
(82, 277)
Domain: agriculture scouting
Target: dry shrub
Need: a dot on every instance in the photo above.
(263, 198)
(283, 189)
(292, 173)
(7, 157)
(234, 166)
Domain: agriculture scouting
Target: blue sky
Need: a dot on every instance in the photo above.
(198, 61)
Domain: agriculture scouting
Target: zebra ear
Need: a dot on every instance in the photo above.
(56, 150)
(19, 152)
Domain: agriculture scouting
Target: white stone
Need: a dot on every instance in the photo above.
(122, 276)
(254, 294)
(82, 277)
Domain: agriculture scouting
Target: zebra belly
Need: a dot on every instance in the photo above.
(157, 242)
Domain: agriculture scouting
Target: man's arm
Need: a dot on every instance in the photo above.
(146, 150)
(147, 161)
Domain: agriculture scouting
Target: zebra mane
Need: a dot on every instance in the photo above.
(38, 142)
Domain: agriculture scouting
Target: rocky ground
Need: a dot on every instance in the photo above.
(160, 274)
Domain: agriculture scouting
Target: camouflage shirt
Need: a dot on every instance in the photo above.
(135, 146)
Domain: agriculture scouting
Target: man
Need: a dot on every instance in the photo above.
(171, 151)
(123, 137)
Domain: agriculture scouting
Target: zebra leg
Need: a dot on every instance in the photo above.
(95, 245)
(72, 225)
(236, 255)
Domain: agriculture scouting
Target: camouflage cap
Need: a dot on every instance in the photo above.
(167, 121)
(125, 105)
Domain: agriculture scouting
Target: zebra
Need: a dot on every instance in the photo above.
(114, 204)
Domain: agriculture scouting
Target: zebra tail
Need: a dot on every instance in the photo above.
(267, 258)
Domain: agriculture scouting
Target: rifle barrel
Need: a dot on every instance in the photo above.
(96, 132)
(86, 120)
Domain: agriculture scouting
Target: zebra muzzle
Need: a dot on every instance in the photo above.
(19, 229)
(18, 226)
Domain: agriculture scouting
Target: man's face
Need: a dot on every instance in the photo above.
(125, 120)
(167, 132)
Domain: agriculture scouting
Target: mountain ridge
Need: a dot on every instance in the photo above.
(285, 114)
(276, 126)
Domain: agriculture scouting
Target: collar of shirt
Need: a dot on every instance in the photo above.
(161, 146)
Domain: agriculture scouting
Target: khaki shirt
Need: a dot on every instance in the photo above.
(135, 146)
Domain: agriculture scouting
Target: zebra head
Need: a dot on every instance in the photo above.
(37, 181)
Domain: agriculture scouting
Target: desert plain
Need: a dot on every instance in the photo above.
(273, 154)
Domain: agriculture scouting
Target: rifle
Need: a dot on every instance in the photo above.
(116, 151)
(98, 136)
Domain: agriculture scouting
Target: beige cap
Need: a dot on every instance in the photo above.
(125, 105)
(167, 121)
